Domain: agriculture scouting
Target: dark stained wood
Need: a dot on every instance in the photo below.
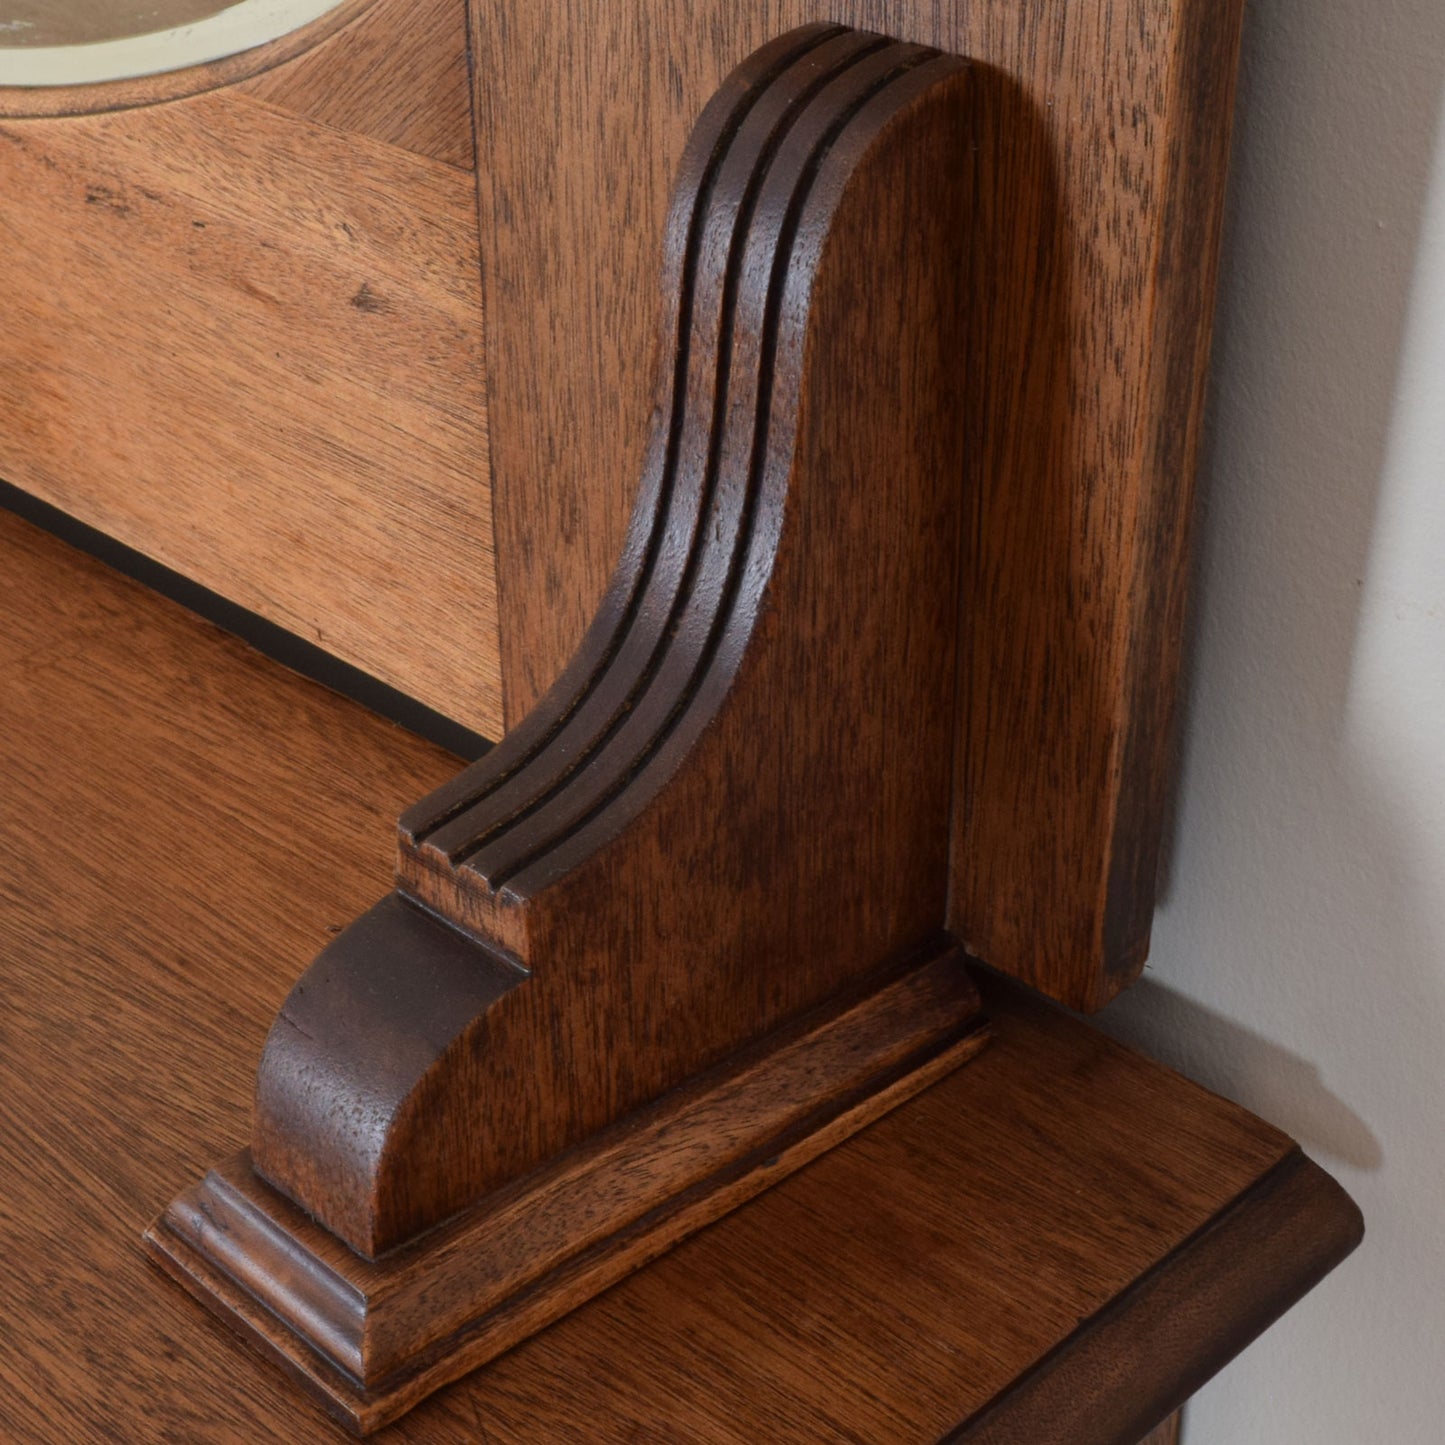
(776, 656)
(776, 652)
(1102, 132)
(893, 1290)
(890, 1291)
(1102, 136)
(1192, 1314)
(1068, 1240)
(1190, 205)
(420, 1317)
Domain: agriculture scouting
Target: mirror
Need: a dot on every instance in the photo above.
(85, 42)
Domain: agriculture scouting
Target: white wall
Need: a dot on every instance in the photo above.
(1299, 953)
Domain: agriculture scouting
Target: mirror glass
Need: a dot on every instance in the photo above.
(82, 42)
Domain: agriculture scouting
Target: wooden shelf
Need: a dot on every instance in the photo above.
(1058, 1243)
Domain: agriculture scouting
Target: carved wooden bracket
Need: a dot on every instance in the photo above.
(686, 926)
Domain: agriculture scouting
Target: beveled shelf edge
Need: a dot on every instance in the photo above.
(318, 1309)
(1128, 1368)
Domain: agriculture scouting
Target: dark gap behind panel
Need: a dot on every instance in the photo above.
(266, 637)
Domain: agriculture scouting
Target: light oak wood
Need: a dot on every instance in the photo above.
(249, 345)
(1103, 134)
(399, 73)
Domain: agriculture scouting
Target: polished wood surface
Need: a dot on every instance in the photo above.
(776, 653)
(363, 519)
(708, 878)
(1103, 133)
(372, 1339)
(244, 336)
(1008, 1222)
(399, 74)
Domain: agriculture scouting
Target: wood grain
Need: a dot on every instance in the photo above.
(1103, 135)
(249, 346)
(890, 1291)
(371, 1339)
(145, 755)
(399, 74)
(1192, 1312)
(657, 1019)
(776, 657)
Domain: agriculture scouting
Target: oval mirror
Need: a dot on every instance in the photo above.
(86, 42)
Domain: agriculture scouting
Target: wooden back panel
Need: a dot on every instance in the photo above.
(243, 334)
(1103, 133)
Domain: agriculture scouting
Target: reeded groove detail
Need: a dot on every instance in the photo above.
(731, 815)
(689, 514)
(500, 863)
(671, 632)
(687, 927)
(682, 931)
(722, 119)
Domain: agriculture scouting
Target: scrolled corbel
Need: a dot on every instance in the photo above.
(684, 928)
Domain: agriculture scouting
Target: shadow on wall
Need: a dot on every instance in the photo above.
(1299, 952)
(1235, 1060)
(1294, 873)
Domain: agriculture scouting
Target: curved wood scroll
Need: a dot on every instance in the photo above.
(684, 928)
